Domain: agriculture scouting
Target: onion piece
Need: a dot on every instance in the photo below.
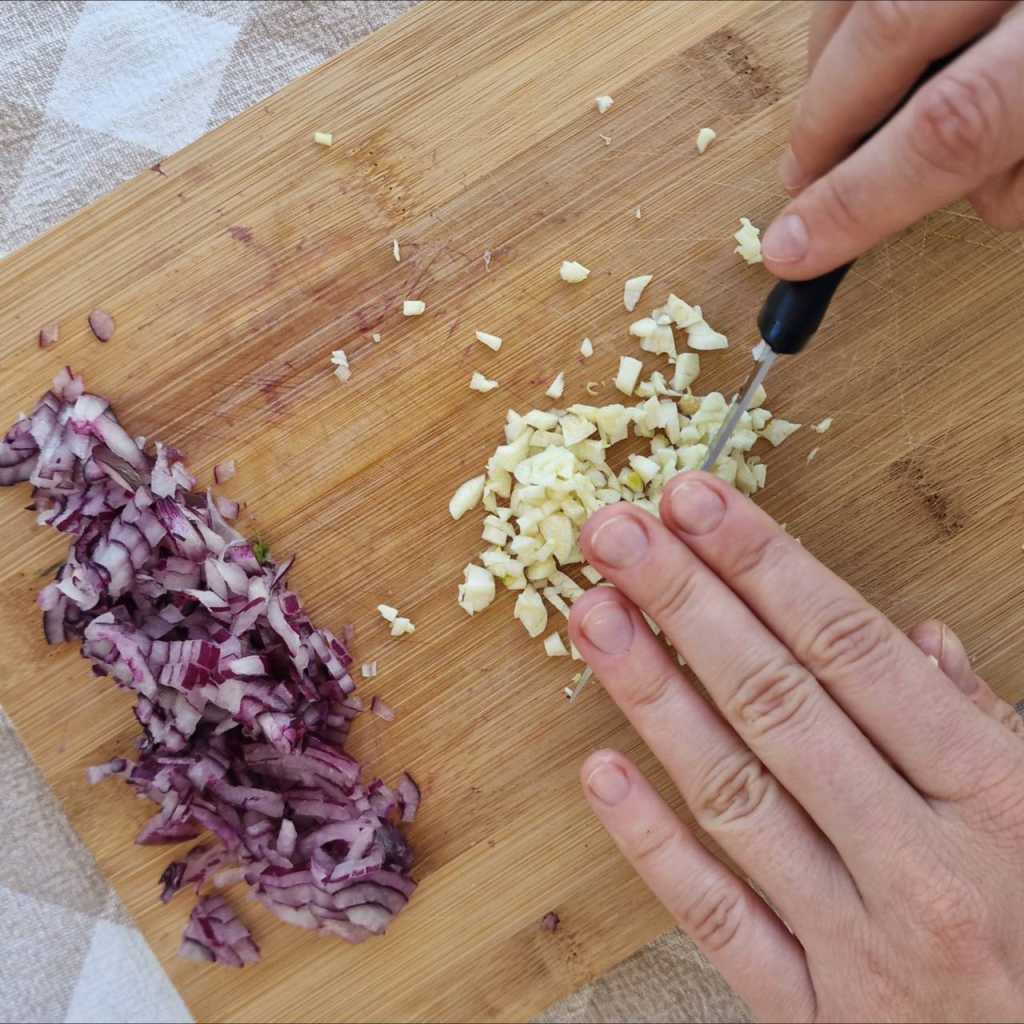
(382, 710)
(224, 471)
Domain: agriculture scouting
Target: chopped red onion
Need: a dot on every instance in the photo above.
(550, 921)
(382, 710)
(243, 703)
(224, 471)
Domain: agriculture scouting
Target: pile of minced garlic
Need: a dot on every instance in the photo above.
(552, 472)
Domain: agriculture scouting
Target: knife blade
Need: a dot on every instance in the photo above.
(740, 404)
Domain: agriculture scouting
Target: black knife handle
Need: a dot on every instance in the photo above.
(794, 310)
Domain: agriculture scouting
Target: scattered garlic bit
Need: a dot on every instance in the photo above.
(376, 338)
(554, 646)
(606, 139)
(557, 387)
(749, 239)
(413, 307)
(603, 103)
(586, 348)
(687, 370)
(341, 367)
(478, 382)
(703, 337)
(634, 289)
(492, 341)
(530, 611)
(705, 137)
(368, 669)
(387, 613)
(820, 428)
(567, 692)
(778, 430)
(323, 138)
(467, 496)
(636, 213)
(812, 454)
(396, 252)
(579, 681)
(628, 375)
(401, 626)
(760, 350)
(591, 574)
(573, 272)
(477, 592)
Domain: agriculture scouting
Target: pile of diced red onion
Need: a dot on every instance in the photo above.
(244, 704)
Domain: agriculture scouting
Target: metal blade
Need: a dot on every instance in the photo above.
(739, 406)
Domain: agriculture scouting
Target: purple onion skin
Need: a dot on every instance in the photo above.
(165, 597)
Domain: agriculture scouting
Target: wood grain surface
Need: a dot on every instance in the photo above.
(236, 269)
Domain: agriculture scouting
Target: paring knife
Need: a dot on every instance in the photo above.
(794, 310)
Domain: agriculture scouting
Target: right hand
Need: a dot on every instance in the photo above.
(961, 135)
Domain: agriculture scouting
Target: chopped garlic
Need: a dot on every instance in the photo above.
(341, 367)
(554, 647)
(593, 387)
(820, 428)
(401, 626)
(603, 103)
(681, 312)
(413, 307)
(633, 289)
(591, 574)
(628, 375)
(323, 138)
(375, 338)
(749, 238)
(557, 387)
(636, 213)
(478, 382)
(368, 669)
(704, 138)
(778, 430)
(396, 252)
(477, 592)
(530, 611)
(586, 348)
(467, 496)
(492, 341)
(704, 338)
(759, 351)
(812, 454)
(606, 139)
(573, 272)
(687, 370)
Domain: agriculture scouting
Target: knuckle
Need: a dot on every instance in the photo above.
(772, 697)
(952, 915)
(757, 556)
(733, 791)
(849, 638)
(955, 120)
(713, 919)
(654, 843)
(888, 23)
(673, 597)
(648, 690)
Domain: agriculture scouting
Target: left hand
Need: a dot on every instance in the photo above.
(875, 796)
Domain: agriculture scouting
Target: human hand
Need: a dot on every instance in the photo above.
(876, 798)
(961, 134)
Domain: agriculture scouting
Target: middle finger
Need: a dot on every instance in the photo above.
(777, 707)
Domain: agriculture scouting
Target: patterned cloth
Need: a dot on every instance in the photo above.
(91, 93)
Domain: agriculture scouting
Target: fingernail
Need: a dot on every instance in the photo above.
(609, 627)
(786, 240)
(609, 783)
(619, 542)
(790, 172)
(953, 659)
(696, 508)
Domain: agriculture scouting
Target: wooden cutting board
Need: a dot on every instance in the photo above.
(235, 267)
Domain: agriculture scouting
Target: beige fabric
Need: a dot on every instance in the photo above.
(92, 93)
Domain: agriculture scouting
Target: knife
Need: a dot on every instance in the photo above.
(794, 310)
